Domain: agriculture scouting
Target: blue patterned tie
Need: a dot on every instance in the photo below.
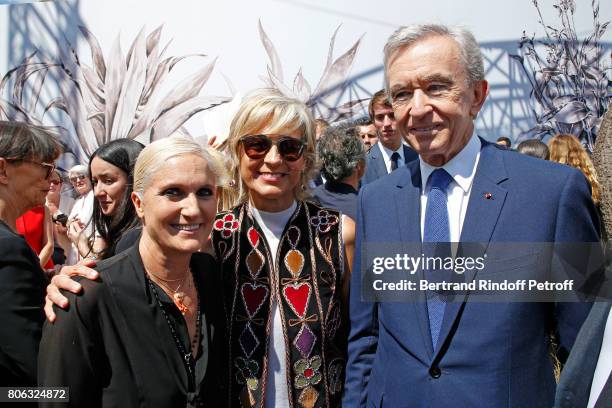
(436, 230)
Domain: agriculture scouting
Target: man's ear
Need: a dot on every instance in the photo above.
(4, 178)
(361, 168)
(481, 91)
(138, 204)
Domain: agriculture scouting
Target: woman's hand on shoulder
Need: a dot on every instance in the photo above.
(64, 281)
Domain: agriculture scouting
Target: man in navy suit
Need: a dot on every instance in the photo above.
(389, 153)
(430, 353)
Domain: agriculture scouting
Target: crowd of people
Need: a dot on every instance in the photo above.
(178, 274)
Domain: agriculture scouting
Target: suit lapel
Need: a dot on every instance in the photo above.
(485, 203)
(379, 162)
(408, 213)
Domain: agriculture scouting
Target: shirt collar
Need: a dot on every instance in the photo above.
(388, 152)
(462, 167)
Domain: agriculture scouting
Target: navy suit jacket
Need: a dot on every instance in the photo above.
(487, 355)
(375, 163)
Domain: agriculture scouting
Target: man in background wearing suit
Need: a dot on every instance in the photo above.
(389, 153)
(431, 353)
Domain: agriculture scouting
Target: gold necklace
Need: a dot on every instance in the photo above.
(180, 299)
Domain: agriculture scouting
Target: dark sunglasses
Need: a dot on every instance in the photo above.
(257, 146)
(49, 167)
(74, 179)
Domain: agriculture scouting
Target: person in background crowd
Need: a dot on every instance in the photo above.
(366, 131)
(150, 331)
(27, 155)
(111, 169)
(566, 149)
(430, 352)
(341, 155)
(79, 223)
(389, 153)
(320, 126)
(504, 141)
(534, 148)
(59, 207)
(114, 218)
(285, 263)
(36, 227)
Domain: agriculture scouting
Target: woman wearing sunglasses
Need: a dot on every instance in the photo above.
(284, 263)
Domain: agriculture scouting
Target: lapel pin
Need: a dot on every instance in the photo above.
(488, 196)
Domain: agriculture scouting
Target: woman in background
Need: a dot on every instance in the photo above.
(27, 154)
(79, 222)
(36, 227)
(566, 149)
(111, 169)
(59, 208)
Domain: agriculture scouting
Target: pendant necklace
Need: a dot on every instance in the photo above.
(180, 299)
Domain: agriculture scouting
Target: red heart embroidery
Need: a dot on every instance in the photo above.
(297, 295)
(253, 297)
(253, 237)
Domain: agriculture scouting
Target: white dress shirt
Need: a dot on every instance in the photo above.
(462, 169)
(386, 154)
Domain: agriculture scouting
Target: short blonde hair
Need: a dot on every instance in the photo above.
(268, 111)
(156, 154)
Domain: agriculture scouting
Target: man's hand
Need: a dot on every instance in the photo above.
(63, 281)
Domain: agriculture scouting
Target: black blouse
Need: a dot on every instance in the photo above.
(114, 348)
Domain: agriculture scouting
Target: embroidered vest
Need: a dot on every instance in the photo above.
(307, 284)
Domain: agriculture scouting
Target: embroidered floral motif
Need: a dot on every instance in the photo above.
(226, 225)
(323, 221)
(335, 375)
(307, 371)
(246, 372)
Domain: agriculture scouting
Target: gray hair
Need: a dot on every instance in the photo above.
(20, 140)
(471, 57)
(339, 151)
(78, 170)
(156, 154)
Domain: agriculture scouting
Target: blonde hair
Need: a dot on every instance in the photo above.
(566, 149)
(268, 111)
(156, 154)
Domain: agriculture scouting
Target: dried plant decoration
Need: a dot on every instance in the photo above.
(323, 99)
(115, 97)
(569, 76)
